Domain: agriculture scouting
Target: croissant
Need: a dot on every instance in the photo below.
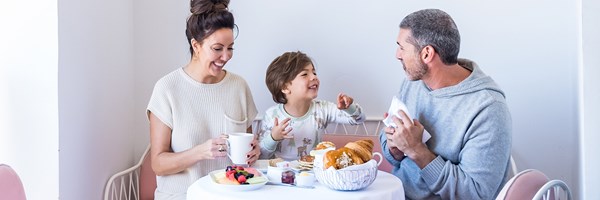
(340, 158)
(325, 145)
(362, 148)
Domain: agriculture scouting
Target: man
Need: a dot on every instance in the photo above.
(463, 109)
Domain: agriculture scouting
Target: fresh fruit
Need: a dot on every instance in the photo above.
(239, 174)
(241, 179)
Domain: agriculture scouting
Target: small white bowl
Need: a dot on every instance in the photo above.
(274, 173)
(305, 179)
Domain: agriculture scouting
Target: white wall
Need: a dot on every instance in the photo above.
(590, 96)
(160, 47)
(96, 94)
(28, 94)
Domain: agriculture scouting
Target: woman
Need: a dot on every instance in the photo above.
(192, 106)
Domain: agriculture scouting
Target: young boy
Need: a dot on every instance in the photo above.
(295, 125)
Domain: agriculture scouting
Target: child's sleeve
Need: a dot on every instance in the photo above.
(267, 144)
(353, 115)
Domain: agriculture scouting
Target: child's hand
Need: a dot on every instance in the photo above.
(344, 101)
(280, 130)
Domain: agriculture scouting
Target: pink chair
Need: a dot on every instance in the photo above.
(524, 185)
(137, 182)
(341, 139)
(11, 187)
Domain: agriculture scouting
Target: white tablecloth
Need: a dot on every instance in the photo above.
(385, 187)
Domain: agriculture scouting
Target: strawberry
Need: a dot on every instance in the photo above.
(241, 179)
(231, 176)
(229, 172)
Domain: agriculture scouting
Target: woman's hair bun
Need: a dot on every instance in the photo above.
(199, 7)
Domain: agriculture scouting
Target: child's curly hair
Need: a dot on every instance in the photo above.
(283, 70)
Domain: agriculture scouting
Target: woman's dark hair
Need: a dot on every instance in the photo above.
(207, 17)
(283, 70)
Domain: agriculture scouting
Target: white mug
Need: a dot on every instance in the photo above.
(238, 146)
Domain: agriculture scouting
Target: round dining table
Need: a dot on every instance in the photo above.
(385, 187)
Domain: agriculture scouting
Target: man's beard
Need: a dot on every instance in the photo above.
(416, 73)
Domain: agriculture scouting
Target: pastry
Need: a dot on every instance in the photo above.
(306, 162)
(362, 148)
(307, 158)
(341, 158)
(273, 162)
(325, 145)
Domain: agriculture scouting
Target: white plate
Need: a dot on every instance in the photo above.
(295, 165)
(228, 187)
(261, 165)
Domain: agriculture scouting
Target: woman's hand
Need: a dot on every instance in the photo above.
(254, 153)
(344, 101)
(213, 148)
(281, 131)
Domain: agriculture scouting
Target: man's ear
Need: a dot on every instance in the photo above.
(427, 54)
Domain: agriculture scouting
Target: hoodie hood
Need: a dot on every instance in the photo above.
(475, 82)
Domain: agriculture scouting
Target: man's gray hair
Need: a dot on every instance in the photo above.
(436, 28)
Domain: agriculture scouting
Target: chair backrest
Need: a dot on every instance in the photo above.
(147, 178)
(524, 185)
(341, 139)
(554, 189)
(11, 187)
(135, 183)
(513, 167)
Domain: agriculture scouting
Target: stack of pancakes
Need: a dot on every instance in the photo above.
(306, 162)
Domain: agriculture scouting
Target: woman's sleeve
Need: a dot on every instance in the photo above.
(160, 104)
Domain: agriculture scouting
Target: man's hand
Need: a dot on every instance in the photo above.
(407, 137)
(389, 132)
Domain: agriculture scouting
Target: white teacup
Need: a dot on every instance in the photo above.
(238, 146)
